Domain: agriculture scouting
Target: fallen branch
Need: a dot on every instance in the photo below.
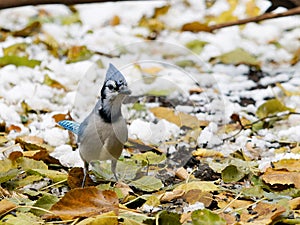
(265, 16)
(16, 3)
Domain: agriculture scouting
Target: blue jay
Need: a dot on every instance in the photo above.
(102, 134)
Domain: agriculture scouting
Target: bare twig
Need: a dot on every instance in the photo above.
(265, 16)
(15, 3)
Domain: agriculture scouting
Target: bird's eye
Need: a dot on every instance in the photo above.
(110, 87)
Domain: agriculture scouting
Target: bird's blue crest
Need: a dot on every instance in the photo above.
(114, 74)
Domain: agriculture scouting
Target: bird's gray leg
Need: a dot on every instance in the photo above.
(113, 168)
(85, 173)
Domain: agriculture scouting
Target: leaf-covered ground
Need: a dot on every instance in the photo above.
(213, 119)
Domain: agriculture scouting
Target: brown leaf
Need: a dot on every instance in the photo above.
(41, 155)
(15, 155)
(195, 195)
(6, 206)
(115, 21)
(62, 116)
(75, 178)
(84, 202)
(281, 177)
(14, 128)
(32, 143)
(294, 203)
(182, 173)
(195, 27)
(263, 213)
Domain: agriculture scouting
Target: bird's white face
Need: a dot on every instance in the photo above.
(113, 88)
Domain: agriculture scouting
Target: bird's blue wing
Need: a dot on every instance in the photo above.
(70, 125)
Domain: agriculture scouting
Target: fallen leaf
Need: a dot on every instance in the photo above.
(32, 143)
(115, 20)
(225, 16)
(6, 206)
(262, 213)
(78, 53)
(126, 170)
(291, 165)
(16, 49)
(62, 116)
(271, 107)
(281, 177)
(147, 183)
(195, 27)
(150, 157)
(22, 218)
(29, 164)
(294, 203)
(84, 202)
(152, 200)
(54, 175)
(18, 61)
(198, 185)
(252, 9)
(237, 57)
(15, 128)
(196, 46)
(182, 173)
(15, 155)
(168, 218)
(109, 218)
(8, 175)
(178, 118)
(207, 153)
(232, 174)
(186, 63)
(205, 216)
(197, 195)
(285, 91)
(44, 202)
(75, 178)
(29, 30)
(53, 83)
(168, 196)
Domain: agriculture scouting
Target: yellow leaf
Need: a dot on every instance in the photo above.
(115, 21)
(198, 185)
(178, 118)
(252, 9)
(288, 164)
(109, 218)
(204, 153)
(287, 92)
(227, 15)
(53, 83)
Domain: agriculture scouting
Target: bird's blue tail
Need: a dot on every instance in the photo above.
(70, 125)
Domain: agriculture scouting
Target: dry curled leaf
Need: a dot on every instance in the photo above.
(281, 177)
(6, 205)
(84, 202)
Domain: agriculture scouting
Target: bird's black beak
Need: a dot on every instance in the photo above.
(125, 90)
